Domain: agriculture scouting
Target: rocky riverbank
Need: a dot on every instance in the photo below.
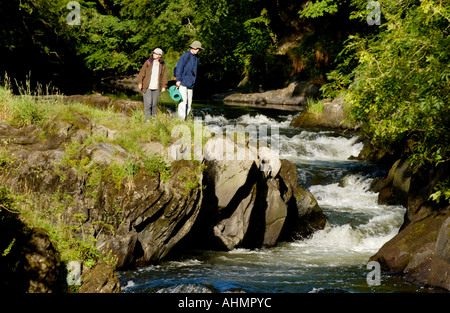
(163, 205)
(421, 250)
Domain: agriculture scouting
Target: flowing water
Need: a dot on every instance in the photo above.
(332, 260)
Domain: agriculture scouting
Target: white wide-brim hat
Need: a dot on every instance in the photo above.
(158, 51)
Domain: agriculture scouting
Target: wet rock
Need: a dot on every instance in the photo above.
(252, 203)
(420, 251)
(33, 265)
(439, 269)
(395, 188)
(333, 116)
(296, 93)
(101, 278)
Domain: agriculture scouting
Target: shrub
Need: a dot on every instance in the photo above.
(399, 87)
(315, 106)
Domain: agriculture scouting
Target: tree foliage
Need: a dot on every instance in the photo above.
(398, 80)
(114, 37)
(319, 8)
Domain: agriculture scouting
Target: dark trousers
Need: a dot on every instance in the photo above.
(151, 97)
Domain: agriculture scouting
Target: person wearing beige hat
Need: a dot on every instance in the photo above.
(152, 80)
(186, 74)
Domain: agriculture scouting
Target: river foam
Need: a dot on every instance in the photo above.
(331, 260)
(319, 146)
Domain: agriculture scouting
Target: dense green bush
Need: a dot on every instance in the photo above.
(398, 80)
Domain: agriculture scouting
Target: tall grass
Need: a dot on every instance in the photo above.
(21, 110)
(5, 98)
(38, 107)
(314, 106)
(49, 211)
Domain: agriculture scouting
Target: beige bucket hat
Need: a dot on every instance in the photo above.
(196, 45)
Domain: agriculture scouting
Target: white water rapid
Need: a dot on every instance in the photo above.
(332, 260)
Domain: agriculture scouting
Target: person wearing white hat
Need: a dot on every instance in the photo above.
(152, 80)
(186, 74)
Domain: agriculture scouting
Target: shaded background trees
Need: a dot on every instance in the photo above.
(256, 44)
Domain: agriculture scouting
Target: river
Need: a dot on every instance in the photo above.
(332, 260)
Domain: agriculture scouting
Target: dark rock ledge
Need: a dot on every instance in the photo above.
(252, 203)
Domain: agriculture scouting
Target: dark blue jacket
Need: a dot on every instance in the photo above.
(186, 69)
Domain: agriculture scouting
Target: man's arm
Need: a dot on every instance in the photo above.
(180, 69)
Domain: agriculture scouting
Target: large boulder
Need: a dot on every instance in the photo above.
(32, 264)
(247, 202)
(154, 215)
(333, 116)
(232, 230)
(100, 279)
(421, 249)
(98, 100)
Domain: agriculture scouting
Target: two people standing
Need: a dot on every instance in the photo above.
(152, 79)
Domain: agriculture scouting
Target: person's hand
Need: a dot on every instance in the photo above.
(140, 86)
(164, 89)
(178, 83)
